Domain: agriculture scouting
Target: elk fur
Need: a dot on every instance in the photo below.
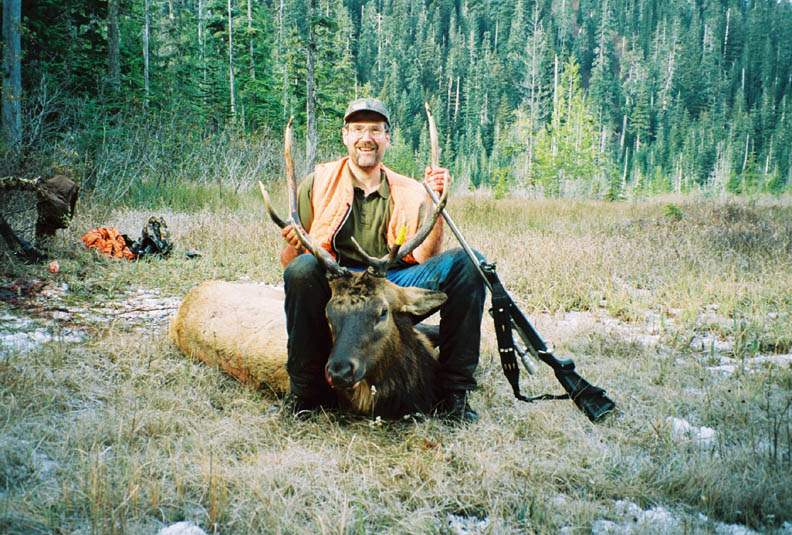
(238, 327)
(400, 362)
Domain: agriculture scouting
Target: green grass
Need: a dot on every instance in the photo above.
(138, 436)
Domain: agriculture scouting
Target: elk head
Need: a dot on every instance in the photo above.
(371, 324)
(370, 318)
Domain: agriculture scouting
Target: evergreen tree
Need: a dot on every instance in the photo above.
(566, 160)
(603, 87)
(677, 90)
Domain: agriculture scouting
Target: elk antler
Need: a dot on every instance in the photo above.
(433, 138)
(379, 266)
(268, 204)
(327, 261)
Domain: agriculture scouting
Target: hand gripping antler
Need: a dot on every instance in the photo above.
(379, 266)
(327, 261)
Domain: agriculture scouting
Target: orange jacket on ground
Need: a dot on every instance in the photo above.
(109, 242)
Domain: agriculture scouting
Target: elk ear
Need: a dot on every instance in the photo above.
(422, 302)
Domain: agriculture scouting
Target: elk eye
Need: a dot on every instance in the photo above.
(383, 315)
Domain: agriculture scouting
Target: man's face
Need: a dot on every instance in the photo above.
(366, 138)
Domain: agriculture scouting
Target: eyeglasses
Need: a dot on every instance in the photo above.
(359, 130)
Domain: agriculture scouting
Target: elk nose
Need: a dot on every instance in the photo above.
(341, 373)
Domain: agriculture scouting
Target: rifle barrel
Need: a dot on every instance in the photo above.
(457, 233)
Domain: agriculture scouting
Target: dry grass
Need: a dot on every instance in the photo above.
(122, 434)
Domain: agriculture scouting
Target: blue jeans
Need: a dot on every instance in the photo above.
(451, 272)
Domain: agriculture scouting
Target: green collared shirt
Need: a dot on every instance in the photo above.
(367, 222)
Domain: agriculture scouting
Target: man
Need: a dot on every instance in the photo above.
(358, 197)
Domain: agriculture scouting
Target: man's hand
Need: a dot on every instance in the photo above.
(290, 235)
(294, 247)
(435, 178)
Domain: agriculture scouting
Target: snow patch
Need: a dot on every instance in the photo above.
(729, 365)
(55, 320)
(633, 520)
(467, 525)
(181, 528)
(627, 518)
(682, 429)
(21, 335)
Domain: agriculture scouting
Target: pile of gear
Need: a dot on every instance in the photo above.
(154, 240)
(33, 210)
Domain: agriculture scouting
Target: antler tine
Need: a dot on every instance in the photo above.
(325, 258)
(433, 137)
(425, 229)
(379, 266)
(268, 205)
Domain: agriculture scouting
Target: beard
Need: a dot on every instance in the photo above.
(366, 155)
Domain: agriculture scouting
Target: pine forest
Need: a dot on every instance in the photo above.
(599, 99)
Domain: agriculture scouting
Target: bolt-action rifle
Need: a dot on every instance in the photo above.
(527, 343)
(509, 320)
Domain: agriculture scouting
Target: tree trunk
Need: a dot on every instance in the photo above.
(250, 37)
(202, 55)
(310, 92)
(231, 63)
(456, 100)
(12, 71)
(146, 57)
(379, 42)
(113, 46)
(283, 64)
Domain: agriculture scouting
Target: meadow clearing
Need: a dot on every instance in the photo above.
(680, 307)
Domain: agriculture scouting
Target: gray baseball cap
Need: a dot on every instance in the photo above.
(367, 104)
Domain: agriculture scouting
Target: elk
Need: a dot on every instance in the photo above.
(238, 327)
(379, 364)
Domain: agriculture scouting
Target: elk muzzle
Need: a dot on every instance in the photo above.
(344, 373)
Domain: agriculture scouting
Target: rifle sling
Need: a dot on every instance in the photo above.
(501, 313)
(503, 331)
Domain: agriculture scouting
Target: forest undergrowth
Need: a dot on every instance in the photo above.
(680, 307)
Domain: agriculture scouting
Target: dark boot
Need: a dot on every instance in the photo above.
(294, 406)
(456, 409)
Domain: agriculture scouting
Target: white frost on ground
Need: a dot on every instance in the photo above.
(648, 332)
(21, 460)
(631, 519)
(145, 305)
(729, 365)
(467, 525)
(681, 429)
(627, 518)
(181, 528)
(20, 334)
(57, 321)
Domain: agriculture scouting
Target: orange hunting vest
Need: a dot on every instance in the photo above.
(333, 193)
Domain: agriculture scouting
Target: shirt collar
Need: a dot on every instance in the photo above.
(384, 187)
